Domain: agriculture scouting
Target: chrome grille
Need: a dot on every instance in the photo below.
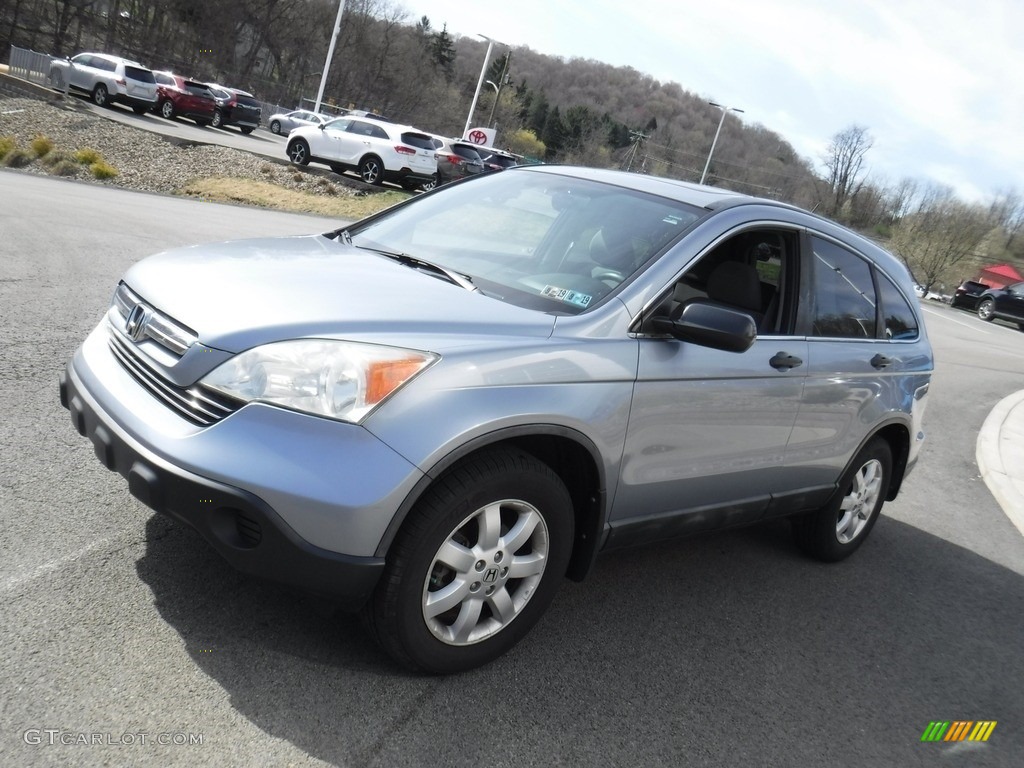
(198, 404)
(168, 333)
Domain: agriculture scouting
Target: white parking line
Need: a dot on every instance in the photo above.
(14, 582)
(946, 316)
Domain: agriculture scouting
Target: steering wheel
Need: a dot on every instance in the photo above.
(610, 277)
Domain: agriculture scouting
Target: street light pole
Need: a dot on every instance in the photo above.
(497, 88)
(479, 83)
(713, 143)
(330, 55)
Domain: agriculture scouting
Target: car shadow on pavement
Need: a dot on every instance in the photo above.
(727, 649)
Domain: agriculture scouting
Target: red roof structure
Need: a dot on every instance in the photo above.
(999, 275)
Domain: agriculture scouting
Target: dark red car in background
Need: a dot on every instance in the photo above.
(177, 96)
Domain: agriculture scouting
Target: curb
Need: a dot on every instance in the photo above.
(1000, 456)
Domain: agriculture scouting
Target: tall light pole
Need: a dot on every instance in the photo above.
(330, 55)
(502, 82)
(713, 143)
(480, 82)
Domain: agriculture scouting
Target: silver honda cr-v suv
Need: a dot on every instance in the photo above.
(435, 414)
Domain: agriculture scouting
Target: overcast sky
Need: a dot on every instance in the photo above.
(938, 83)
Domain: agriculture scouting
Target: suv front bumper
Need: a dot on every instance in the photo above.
(254, 487)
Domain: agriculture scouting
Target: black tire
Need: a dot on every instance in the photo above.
(100, 97)
(275, 127)
(167, 109)
(503, 486)
(202, 123)
(246, 129)
(218, 119)
(371, 170)
(985, 310)
(298, 152)
(140, 110)
(835, 532)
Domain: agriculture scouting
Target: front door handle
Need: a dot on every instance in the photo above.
(881, 361)
(783, 361)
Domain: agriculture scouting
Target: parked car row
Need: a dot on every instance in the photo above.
(380, 150)
(109, 80)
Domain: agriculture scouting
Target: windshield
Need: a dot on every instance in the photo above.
(537, 240)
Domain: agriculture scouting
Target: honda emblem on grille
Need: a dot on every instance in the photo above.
(135, 325)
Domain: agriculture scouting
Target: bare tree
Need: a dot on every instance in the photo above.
(938, 234)
(844, 160)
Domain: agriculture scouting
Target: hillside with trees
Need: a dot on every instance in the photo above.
(545, 107)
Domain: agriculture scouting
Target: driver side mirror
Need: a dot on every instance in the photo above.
(709, 325)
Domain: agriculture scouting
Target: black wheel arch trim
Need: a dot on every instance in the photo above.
(590, 499)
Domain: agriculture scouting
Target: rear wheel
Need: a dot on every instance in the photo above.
(246, 130)
(986, 310)
(298, 152)
(167, 109)
(218, 119)
(426, 186)
(100, 97)
(275, 126)
(475, 565)
(371, 170)
(837, 530)
(140, 110)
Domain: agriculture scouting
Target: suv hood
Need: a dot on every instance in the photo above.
(240, 294)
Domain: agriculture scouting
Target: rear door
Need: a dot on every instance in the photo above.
(1011, 302)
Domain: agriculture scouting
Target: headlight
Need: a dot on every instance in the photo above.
(338, 379)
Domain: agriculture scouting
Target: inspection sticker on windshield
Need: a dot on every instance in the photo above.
(564, 294)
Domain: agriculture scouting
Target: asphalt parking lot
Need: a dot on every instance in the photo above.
(724, 650)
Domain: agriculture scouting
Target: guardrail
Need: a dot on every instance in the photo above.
(30, 65)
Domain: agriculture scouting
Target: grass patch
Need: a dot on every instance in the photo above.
(87, 156)
(265, 195)
(19, 157)
(103, 170)
(41, 145)
(7, 145)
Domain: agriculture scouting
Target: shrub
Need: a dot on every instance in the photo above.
(87, 156)
(297, 177)
(41, 145)
(7, 143)
(19, 158)
(64, 168)
(53, 158)
(267, 169)
(103, 170)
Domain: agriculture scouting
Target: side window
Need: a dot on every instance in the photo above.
(754, 272)
(844, 295)
(897, 315)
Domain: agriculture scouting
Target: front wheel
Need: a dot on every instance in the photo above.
(838, 529)
(298, 152)
(986, 310)
(475, 565)
(371, 170)
(275, 127)
(246, 130)
(167, 109)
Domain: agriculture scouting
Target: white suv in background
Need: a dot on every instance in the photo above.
(107, 79)
(379, 151)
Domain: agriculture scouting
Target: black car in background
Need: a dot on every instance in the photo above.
(1003, 303)
(235, 107)
(967, 294)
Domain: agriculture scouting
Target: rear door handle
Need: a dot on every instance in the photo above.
(881, 361)
(783, 361)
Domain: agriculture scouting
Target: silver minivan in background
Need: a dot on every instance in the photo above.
(437, 413)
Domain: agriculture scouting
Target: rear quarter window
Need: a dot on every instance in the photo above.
(142, 75)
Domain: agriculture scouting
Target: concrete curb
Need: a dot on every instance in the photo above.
(1000, 456)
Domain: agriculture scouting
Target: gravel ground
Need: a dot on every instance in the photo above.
(145, 161)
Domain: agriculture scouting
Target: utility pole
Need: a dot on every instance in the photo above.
(502, 82)
(638, 139)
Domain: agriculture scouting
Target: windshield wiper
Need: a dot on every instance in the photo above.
(463, 281)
